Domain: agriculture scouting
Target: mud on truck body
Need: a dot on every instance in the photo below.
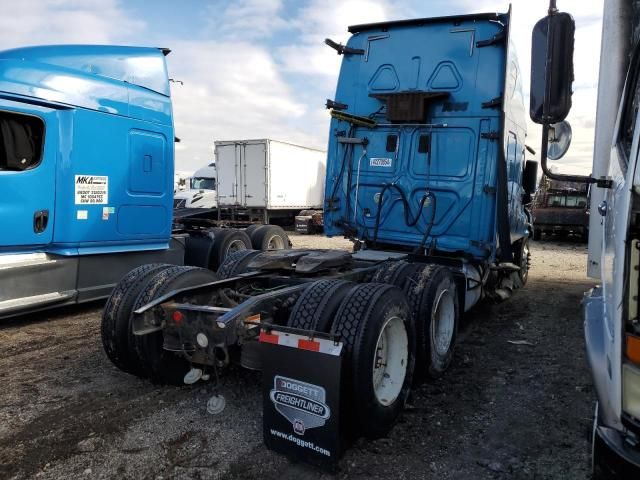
(425, 173)
(86, 176)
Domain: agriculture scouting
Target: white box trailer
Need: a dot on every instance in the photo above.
(268, 176)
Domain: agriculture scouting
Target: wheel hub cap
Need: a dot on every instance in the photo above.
(390, 361)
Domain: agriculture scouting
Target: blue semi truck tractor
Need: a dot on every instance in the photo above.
(86, 176)
(426, 173)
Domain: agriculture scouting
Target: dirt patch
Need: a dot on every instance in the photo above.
(503, 410)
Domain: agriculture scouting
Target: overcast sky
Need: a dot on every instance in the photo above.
(259, 68)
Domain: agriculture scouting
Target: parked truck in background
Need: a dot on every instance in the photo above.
(87, 176)
(258, 181)
(267, 180)
(201, 191)
(426, 173)
(561, 208)
(181, 181)
(612, 323)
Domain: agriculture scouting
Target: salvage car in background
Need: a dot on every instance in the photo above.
(561, 208)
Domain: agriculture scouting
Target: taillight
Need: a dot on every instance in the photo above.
(633, 348)
(177, 317)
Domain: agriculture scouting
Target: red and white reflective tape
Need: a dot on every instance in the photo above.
(302, 342)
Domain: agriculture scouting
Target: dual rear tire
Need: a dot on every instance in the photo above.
(405, 319)
(145, 356)
(267, 237)
(432, 294)
(317, 306)
(378, 334)
(117, 340)
(376, 329)
(384, 329)
(210, 249)
(433, 300)
(157, 363)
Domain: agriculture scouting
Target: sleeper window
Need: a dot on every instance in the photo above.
(20, 141)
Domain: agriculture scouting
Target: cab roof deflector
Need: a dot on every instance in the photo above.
(424, 21)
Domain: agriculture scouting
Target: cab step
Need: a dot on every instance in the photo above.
(9, 307)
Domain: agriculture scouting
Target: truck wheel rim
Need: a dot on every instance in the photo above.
(443, 323)
(390, 361)
(594, 429)
(275, 243)
(236, 246)
(524, 263)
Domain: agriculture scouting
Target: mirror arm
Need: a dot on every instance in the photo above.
(558, 176)
(604, 183)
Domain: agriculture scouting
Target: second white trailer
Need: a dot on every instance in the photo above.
(269, 176)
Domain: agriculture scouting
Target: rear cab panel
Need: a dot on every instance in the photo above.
(453, 152)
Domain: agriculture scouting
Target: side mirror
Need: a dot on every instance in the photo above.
(559, 140)
(551, 68)
(530, 177)
(551, 79)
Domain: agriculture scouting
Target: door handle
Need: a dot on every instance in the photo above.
(602, 208)
(40, 220)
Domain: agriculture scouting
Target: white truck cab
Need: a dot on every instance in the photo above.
(612, 323)
(202, 191)
(612, 328)
(181, 181)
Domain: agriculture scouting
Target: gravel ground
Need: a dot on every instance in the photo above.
(502, 411)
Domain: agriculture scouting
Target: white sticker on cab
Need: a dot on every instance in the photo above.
(82, 214)
(92, 189)
(380, 162)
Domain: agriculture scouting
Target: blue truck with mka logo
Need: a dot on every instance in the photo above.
(86, 175)
(426, 173)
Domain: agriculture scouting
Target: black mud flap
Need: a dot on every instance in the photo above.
(301, 396)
